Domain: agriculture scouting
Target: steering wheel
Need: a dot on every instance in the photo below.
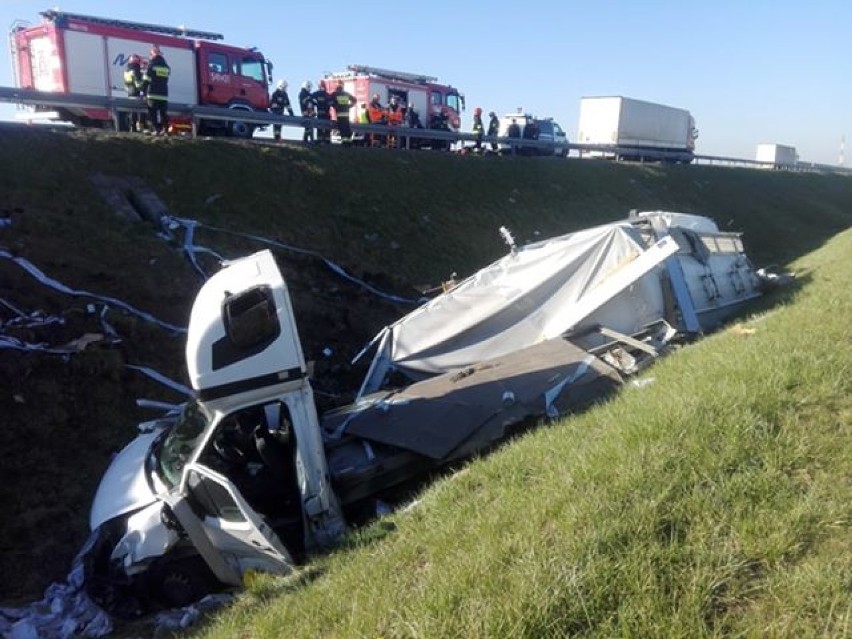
(228, 447)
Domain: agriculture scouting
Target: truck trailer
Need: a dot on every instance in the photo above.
(636, 130)
(86, 55)
(777, 156)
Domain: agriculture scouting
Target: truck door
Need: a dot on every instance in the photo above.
(227, 533)
(214, 71)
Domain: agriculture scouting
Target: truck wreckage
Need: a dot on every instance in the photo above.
(248, 477)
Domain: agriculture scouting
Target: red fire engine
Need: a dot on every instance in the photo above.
(70, 53)
(435, 103)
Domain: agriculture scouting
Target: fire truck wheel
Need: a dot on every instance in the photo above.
(241, 130)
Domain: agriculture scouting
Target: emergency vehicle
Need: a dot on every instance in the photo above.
(87, 55)
(434, 102)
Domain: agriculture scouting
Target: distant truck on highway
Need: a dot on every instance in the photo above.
(86, 55)
(777, 156)
(642, 130)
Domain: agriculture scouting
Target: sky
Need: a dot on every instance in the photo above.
(749, 71)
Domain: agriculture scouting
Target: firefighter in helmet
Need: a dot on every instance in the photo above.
(478, 129)
(322, 101)
(279, 102)
(306, 106)
(493, 129)
(133, 84)
(342, 101)
(156, 87)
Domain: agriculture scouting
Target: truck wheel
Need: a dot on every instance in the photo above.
(175, 583)
(241, 130)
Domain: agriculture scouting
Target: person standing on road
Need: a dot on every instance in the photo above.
(478, 129)
(514, 132)
(156, 87)
(322, 101)
(493, 129)
(279, 102)
(306, 105)
(342, 102)
(133, 84)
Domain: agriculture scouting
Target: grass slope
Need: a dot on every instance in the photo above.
(396, 219)
(713, 502)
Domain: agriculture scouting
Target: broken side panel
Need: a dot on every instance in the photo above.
(462, 412)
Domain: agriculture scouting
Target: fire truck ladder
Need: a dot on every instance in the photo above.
(181, 32)
(392, 75)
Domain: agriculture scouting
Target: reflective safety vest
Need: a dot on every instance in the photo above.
(376, 114)
(395, 117)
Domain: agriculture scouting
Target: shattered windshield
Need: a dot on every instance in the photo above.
(180, 444)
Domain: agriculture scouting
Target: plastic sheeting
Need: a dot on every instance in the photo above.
(533, 294)
(66, 610)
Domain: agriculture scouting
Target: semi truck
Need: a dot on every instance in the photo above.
(439, 105)
(777, 156)
(86, 55)
(636, 130)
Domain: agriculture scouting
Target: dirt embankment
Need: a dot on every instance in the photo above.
(400, 222)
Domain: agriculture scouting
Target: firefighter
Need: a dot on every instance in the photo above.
(279, 102)
(377, 115)
(396, 117)
(493, 129)
(531, 132)
(322, 101)
(156, 87)
(133, 84)
(412, 121)
(478, 129)
(514, 132)
(306, 105)
(342, 102)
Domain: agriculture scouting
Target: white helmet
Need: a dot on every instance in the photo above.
(307, 85)
(282, 84)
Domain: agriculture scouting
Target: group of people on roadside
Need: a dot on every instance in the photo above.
(320, 104)
(148, 81)
(317, 104)
(530, 131)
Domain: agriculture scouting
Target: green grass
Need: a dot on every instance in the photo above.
(715, 502)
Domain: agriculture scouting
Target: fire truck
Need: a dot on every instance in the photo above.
(436, 103)
(86, 55)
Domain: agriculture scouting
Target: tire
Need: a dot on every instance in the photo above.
(175, 583)
(239, 129)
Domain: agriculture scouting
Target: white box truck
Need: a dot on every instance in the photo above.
(635, 130)
(777, 156)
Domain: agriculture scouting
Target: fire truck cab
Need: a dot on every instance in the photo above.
(86, 56)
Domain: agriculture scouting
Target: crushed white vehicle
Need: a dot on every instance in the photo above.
(248, 477)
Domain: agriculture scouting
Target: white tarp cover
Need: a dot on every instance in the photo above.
(522, 299)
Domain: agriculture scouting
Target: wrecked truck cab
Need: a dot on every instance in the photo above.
(248, 478)
(236, 482)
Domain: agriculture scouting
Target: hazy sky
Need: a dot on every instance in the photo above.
(750, 71)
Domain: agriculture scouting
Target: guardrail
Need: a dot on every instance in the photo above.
(405, 135)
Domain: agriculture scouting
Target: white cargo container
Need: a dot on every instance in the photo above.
(777, 156)
(641, 129)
